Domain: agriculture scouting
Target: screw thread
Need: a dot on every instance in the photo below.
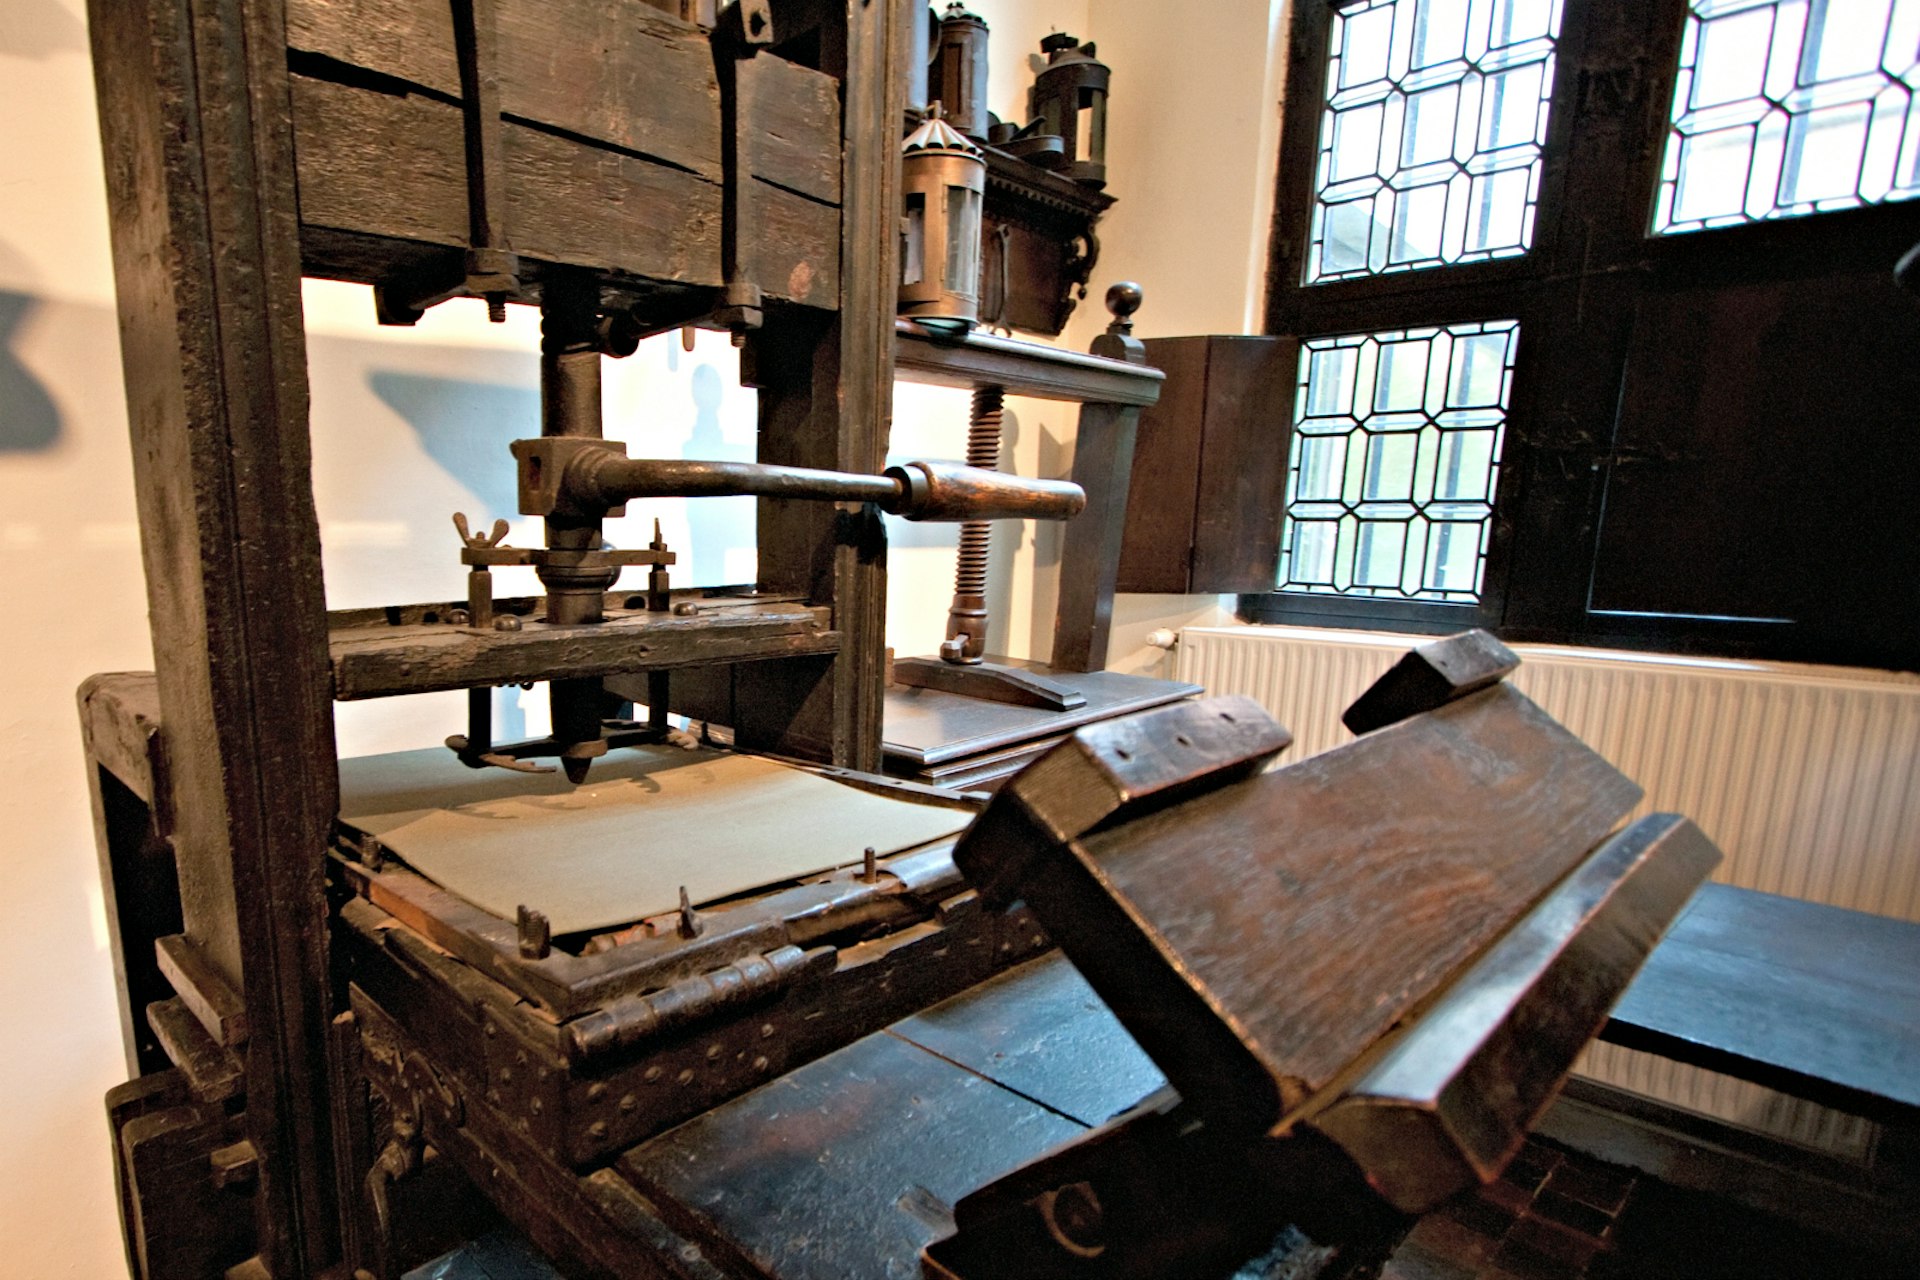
(983, 451)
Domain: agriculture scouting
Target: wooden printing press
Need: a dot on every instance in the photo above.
(752, 1012)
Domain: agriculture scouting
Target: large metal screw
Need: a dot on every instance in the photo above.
(967, 616)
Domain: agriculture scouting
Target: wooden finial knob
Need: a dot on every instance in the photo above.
(1124, 299)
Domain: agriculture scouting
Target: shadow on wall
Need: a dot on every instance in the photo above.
(29, 422)
(712, 524)
(466, 428)
(40, 29)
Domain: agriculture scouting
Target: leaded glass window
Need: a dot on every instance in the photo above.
(1430, 142)
(1790, 107)
(1395, 458)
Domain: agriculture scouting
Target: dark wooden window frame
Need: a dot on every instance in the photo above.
(1575, 296)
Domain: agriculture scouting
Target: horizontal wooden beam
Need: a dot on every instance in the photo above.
(1020, 368)
(393, 167)
(610, 145)
(202, 989)
(621, 73)
(375, 659)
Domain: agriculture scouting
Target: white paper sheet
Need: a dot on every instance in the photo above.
(647, 821)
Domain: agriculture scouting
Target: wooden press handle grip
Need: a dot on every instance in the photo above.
(949, 491)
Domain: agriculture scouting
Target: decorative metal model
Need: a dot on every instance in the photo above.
(944, 178)
(960, 71)
(1069, 98)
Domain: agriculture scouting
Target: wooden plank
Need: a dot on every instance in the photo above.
(867, 50)
(619, 71)
(178, 1223)
(1156, 552)
(212, 1071)
(1090, 545)
(1452, 1098)
(825, 392)
(394, 166)
(1103, 467)
(143, 1095)
(1258, 939)
(791, 133)
(793, 248)
(417, 190)
(380, 661)
(1809, 999)
(139, 876)
(411, 40)
(202, 989)
(811, 1179)
(140, 894)
(1243, 463)
(1108, 774)
(1430, 676)
(585, 206)
(1040, 1031)
(569, 201)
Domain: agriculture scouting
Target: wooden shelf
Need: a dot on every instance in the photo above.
(1022, 368)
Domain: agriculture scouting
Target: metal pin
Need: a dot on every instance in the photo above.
(691, 924)
(870, 868)
(658, 597)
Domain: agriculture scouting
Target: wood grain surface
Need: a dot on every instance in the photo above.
(1816, 1001)
(1260, 938)
(618, 72)
(845, 1168)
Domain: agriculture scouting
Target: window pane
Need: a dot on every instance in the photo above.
(963, 240)
(1790, 107)
(913, 253)
(1395, 457)
(1430, 145)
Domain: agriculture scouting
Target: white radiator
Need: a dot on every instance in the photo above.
(1808, 778)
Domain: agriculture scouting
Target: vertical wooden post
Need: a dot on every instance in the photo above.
(827, 390)
(196, 126)
(1090, 545)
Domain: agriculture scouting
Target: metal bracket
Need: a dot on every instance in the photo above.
(490, 269)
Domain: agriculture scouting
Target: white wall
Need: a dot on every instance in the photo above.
(1037, 434)
(1194, 133)
(408, 427)
(1193, 129)
(70, 568)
